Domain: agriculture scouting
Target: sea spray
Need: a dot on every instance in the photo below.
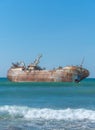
(28, 113)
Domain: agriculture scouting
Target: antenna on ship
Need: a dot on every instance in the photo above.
(82, 62)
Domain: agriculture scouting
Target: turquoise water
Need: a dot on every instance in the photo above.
(47, 106)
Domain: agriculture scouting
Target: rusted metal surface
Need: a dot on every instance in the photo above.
(33, 73)
(66, 74)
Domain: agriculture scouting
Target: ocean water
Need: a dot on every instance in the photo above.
(47, 106)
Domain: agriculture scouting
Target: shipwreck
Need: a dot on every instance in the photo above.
(19, 72)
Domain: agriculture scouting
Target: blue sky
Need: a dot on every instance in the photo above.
(62, 30)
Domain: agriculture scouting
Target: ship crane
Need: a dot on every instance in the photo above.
(37, 60)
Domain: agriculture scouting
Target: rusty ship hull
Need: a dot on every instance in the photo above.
(19, 72)
(66, 74)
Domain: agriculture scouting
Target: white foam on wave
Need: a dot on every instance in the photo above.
(48, 114)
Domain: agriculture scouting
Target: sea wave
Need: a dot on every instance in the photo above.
(28, 113)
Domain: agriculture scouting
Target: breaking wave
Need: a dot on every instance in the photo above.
(27, 113)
